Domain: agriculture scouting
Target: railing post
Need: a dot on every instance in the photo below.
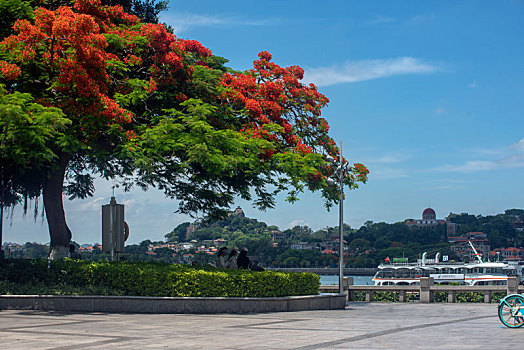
(513, 285)
(369, 296)
(348, 281)
(451, 296)
(426, 295)
(487, 296)
(402, 296)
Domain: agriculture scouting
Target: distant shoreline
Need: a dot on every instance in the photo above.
(357, 271)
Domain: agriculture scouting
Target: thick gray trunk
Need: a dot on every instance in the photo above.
(54, 210)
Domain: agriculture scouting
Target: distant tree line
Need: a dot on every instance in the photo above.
(366, 247)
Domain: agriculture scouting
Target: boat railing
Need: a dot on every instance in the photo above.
(426, 290)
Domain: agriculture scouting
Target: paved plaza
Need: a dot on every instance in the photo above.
(359, 326)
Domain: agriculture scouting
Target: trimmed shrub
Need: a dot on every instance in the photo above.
(148, 279)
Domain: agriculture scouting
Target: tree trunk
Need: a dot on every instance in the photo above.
(54, 209)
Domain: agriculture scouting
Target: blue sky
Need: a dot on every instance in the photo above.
(427, 94)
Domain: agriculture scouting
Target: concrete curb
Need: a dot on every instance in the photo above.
(163, 305)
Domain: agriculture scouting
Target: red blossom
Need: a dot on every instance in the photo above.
(131, 135)
(264, 55)
(254, 108)
(272, 93)
(9, 71)
(181, 97)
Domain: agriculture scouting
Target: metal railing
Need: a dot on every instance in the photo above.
(426, 290)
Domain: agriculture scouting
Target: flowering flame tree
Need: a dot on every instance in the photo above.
(130, 100)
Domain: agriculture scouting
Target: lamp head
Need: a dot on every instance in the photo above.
(331, 182)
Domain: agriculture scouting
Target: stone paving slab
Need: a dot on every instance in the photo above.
(359, 326)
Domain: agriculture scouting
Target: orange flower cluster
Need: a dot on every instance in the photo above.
(270, 93)
(72, 48)
(9, 71)
(109, 17)
(361, 172)
(84, 72)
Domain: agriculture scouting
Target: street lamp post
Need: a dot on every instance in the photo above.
(340, 174)
(340, 226)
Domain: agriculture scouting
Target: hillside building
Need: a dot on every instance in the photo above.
(462, 248)
(508, 254)
(429, 220)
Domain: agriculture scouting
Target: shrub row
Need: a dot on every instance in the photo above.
(148, 279)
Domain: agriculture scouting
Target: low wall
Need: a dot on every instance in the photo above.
(129, 304)
(426, 290)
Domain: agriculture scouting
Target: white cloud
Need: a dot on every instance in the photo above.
(387, 166)
(298, 223)
(519, 145)
(386, 173)
(381, 20)
(182, 22)
(487, 151)
(389, 158)
(473, 84)
(90, 204)
(509, 157)
(471, 166)
(421, 19)
(366, 70)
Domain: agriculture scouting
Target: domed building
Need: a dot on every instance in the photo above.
(429, 219)
(429, 214)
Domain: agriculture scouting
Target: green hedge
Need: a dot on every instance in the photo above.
(148, 279)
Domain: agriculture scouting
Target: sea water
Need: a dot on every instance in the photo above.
(326, 280)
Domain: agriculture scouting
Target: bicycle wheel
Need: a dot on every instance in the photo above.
(511, 311)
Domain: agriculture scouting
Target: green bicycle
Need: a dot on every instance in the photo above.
(511, 311)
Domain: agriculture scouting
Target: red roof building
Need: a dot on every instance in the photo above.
(508, 254)
(463, 249)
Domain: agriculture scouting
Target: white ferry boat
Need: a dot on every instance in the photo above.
(400, 272)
